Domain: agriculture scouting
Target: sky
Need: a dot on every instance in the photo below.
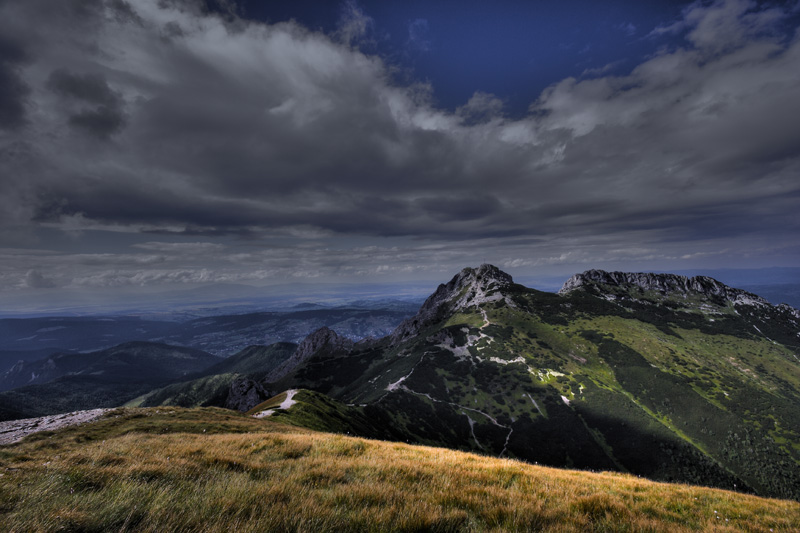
(158, 144)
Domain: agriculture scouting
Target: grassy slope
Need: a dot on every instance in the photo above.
(318, 412)
(201, 392)
(213, 470)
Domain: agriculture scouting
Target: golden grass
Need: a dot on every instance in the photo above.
(276, 478)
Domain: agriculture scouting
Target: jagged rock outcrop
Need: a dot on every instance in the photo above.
(322, 340)
(667, 284)
(789, 310)
(245, 394)
(471, 286)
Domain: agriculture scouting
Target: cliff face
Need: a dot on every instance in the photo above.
(245, 394)
(666, 284)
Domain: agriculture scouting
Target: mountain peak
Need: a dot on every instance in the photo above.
(484, 278)
(665, 284)
(490, 273)
(322, 340)
(471, 286)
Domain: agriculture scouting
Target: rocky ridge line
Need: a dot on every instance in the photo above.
(667, 284)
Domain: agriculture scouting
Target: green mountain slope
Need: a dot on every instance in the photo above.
(254, 360)
(319, 412)
(673, 378)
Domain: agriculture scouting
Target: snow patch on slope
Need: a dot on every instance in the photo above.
(285, 404)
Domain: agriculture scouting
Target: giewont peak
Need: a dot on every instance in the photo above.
(471, 286)
(483, 278)
(487, 272)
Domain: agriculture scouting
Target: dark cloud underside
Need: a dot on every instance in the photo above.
(170, 117)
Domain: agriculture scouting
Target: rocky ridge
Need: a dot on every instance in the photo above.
(666, 284)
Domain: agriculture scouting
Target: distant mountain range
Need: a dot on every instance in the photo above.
(660, 375)
(29, 339)
(205, 300)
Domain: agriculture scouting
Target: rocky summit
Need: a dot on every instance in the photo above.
(470, 287)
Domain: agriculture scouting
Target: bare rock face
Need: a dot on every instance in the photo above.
(471, 286)
(789, 310)
(323, 340)
(667, 284)
(15, 430)
(245, 394)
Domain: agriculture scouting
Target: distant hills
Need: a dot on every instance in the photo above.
(29, 339)
(141, 361)
(107, 378)
(218, 384)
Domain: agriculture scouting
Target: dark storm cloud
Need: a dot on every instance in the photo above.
(212, 125)
(461, 207)
(123, 12)
(104, 115)
(100, 122)
(91, 88)
(35, 280)
(13, 90)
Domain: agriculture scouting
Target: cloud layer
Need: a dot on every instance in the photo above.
(158, 117)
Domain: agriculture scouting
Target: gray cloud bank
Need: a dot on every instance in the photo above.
(159, 117)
